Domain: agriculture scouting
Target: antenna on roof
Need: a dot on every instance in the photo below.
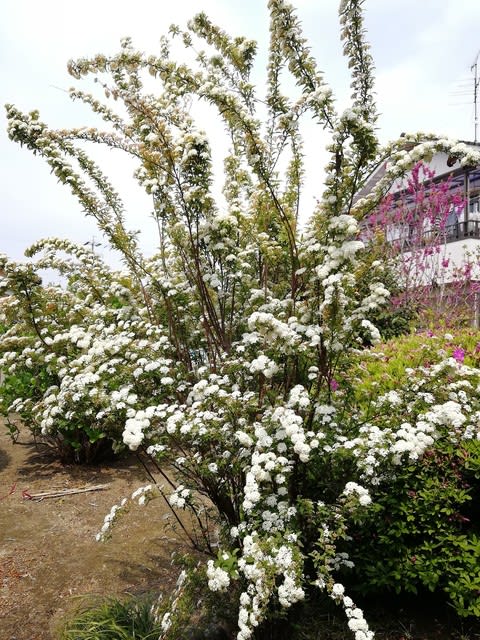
(92, 244)
(476, 81)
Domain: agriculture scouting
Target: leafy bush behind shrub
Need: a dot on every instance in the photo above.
(423, 528)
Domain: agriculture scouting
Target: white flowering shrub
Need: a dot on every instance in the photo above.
(225, 354)
(80, 360)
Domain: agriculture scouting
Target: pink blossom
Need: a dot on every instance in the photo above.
(459, 354)
(334, 384)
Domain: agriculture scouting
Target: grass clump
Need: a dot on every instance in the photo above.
(114, 619)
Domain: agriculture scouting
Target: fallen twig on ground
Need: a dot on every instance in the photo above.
(62, 492)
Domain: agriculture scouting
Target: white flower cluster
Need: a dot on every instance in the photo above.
(273, 331)
(392, 398)
(135, 427)
(289, 591)
(344, 224)
(276, 514)
(218, 578)
(274, 450)
(139, 494)
(448, 414)
(291, 427)
(372, 331)
(299, 397)
(109, 520)
(263, 364)
(361, 492)
(278, 561)
(142, 494)
(339, 560)
(179, 497)
(377, 298)
(356, 619)
(213, 386)
(412, 439)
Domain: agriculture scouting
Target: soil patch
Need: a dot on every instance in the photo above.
(48, 553)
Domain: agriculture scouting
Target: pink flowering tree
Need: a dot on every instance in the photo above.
(411, 231)
(226, 355)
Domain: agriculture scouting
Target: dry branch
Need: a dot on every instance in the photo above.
(63, 492)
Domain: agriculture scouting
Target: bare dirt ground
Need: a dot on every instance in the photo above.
(48, 553)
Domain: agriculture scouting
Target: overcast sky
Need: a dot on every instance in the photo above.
(423, 51)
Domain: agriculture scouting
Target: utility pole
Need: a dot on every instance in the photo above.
(476, 81)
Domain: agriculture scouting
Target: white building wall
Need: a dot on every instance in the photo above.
(438, 164)
(433, 267)
(462, 251)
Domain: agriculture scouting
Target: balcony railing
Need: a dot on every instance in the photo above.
(411, 236)
(453, 232)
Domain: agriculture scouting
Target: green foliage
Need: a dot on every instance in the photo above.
(387, 366)
(422, 530)
(114, 619)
